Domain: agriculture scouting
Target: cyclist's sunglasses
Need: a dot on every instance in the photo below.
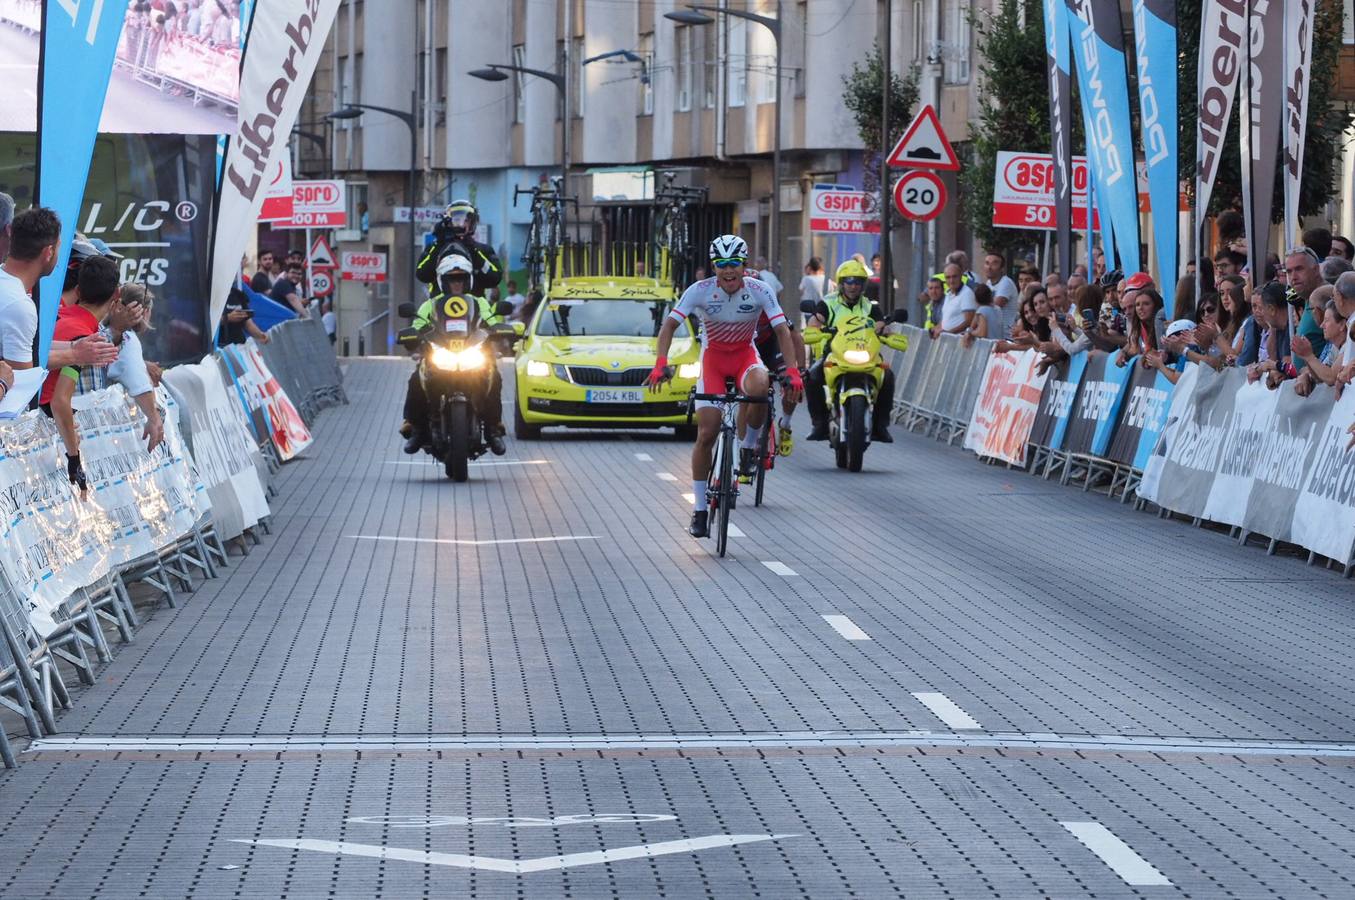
(726, 263)
(853, 280)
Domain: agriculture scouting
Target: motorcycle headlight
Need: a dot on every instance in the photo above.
(471, 358)
(537, 369)
(444, 359)
(856, 357)
(689, 370)
(453, 361)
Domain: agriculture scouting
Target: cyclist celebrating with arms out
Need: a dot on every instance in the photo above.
(729, 305)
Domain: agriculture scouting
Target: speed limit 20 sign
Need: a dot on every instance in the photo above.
(920, 195)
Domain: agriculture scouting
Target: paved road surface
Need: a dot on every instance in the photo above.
(416, 689)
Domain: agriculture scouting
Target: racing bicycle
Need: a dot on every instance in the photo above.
(545, 232)
(722, 487)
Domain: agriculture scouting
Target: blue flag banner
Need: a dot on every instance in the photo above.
(1098, 49)
(1155, 49)
(79, 40)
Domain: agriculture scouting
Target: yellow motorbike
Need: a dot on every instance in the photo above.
(853, 370)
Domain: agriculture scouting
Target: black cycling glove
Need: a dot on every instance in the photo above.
(76, 472)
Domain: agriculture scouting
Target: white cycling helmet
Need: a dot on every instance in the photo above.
(454, 262)
(728, 246)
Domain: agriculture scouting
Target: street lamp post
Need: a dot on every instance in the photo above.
(694, 15)
(355, 110)
(499, 72)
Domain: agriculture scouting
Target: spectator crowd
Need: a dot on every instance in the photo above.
(1292, 328)
(96, 341)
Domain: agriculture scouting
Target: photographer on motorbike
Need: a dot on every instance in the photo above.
(454, 274)
(850, 296)
(457, 226)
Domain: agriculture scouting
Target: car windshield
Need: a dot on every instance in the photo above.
(604, 317)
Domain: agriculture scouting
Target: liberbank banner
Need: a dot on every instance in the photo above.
(1058, 67)
(1098, 49)
(284, 44)
(149, 197)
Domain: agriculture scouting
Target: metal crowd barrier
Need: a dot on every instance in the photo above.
(937, 382)
(32, 685)
(302, 359)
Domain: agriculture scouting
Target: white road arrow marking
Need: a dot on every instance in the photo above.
(520, 866)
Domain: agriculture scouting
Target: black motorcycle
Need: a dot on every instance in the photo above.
(456, 368)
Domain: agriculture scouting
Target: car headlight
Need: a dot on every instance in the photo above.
(562, 372)
(537, 369)
(856, 357)
(689, 370)
(453, 361)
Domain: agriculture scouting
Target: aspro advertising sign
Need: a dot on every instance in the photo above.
(843, 209)
(1023, 191)
(317, 204)
(364, 266)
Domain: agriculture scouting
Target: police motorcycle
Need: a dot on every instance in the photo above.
(457, 354)
(853, 369)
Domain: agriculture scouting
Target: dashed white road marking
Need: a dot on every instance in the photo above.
(667, 476)
(475, 543)
(946, 710)
(736, 531)
(689, 497)
(1121, 858)
(779, 568)
(847, 628)
(644, 457)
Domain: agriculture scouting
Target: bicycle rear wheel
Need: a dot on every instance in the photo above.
(727, 488)
(764, 454)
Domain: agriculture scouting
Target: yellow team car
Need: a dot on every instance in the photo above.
(587, 352)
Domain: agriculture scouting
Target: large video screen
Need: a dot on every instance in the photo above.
(177, 69)
(149, 197)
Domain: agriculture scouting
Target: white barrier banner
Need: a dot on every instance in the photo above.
(53, 541)
(1324, 516)
(222, 452)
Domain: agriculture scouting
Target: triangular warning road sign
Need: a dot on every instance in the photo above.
(924, 145)
(321, 256)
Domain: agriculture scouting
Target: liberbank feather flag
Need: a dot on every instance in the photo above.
(1155, 50)
(79, 41)
(1223, 24)
(1298, 61)
(1098, 48)
(286, 38)
(1262, 116)
(1060, 124)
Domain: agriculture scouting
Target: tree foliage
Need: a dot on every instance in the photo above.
(1013, 111)
(1327, 121)
(863, 95)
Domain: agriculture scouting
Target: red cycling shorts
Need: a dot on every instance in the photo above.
(721, 362)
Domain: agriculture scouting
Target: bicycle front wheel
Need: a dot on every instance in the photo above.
(727, 488)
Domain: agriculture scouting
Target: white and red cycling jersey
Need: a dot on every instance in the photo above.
(728, 321)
